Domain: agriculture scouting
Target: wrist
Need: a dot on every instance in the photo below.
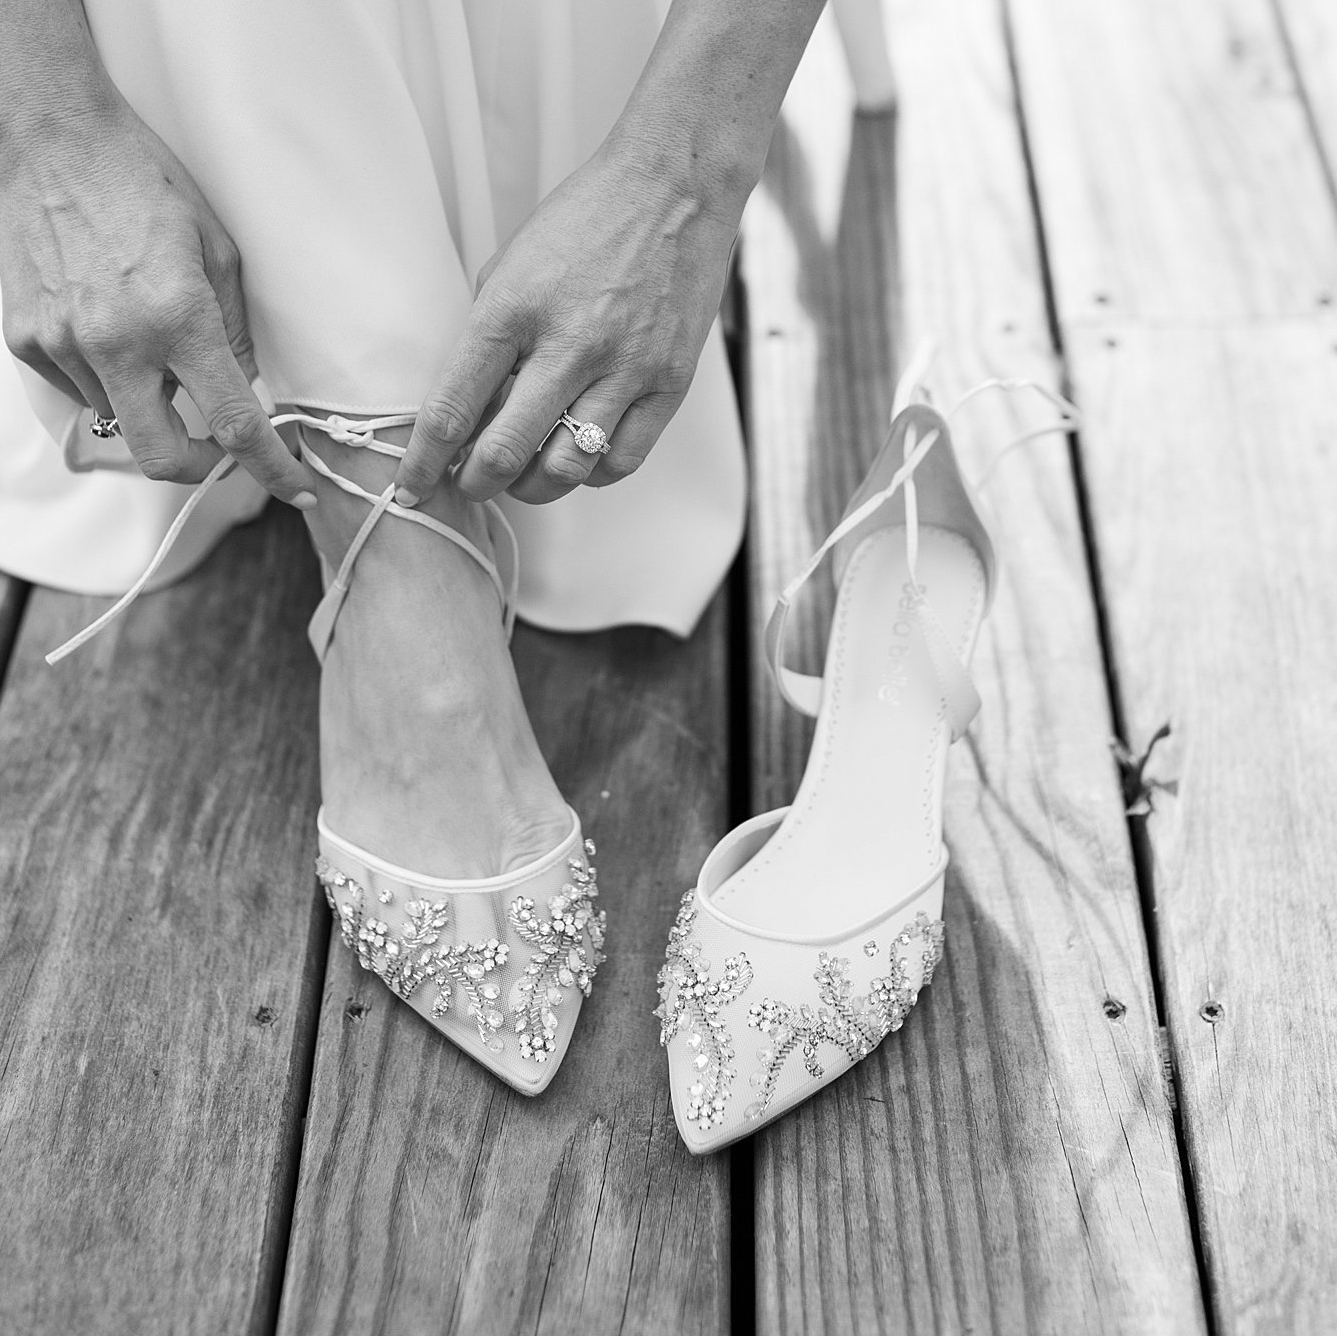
(693, 158)
(53, 87)
(701, 115)
(47, 124)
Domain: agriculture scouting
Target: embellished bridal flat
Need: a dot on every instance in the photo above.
(499, 965)
(813, 929)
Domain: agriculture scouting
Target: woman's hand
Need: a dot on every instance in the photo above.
(600, 304)
(120, 283)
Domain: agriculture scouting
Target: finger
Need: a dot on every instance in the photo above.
(86, 390)
(210, 374)
(155, 434)
(494, 406)
(61, 362)
(640, 427)
(450, 414)
(91, 387)
(523, 423)
(560, 465)
(222, 267)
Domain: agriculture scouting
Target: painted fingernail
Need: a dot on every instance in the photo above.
(406, 498)
(305, 500)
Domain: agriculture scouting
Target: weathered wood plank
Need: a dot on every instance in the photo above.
(432, 1197)
(160, 949)
(1212, 465)
(1209, 449)
(1008, 1161)
(1142, 115)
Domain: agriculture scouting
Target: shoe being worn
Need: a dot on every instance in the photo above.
(499, 964)
(813, 928)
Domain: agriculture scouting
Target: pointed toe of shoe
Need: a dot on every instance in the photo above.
(754, 1024)
(528, 1075)
(499, 965)
(703, 1127)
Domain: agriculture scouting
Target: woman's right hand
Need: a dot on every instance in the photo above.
(120, 283)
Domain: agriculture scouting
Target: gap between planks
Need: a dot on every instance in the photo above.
(1139, 844)
(13, 599)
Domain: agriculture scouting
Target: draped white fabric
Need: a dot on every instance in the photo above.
(367, 156)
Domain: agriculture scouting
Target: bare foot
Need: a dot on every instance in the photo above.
(427, 757)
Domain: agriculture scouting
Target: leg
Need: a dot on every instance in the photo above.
(427, 756)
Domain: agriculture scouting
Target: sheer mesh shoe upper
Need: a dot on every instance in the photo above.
(499, 965)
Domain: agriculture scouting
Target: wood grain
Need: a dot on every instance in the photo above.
(1168, 140)
(434, 1198)
(1223, 445)
(159, 949)
(1309, 29)
(1209, 449)
(1008, 1161)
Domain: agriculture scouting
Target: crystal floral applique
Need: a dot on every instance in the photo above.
(853, 1024)
(561, 957)
(406, 959)
(689, 999)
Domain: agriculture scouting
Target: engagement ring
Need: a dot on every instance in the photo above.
(590, 437)
(104, 428)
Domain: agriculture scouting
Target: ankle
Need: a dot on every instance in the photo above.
(499, 811)
(339, 514)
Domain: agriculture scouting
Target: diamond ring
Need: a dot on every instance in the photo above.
(104, 428)
(591, 439)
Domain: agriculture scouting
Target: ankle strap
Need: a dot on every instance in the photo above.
(915, 431)
(359, 435)
(504, 574)
(916, 428)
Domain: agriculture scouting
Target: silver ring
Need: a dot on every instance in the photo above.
(591, 439)
(104, 428)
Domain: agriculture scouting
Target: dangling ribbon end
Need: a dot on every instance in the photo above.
(219, 470)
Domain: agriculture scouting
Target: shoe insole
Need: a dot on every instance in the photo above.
(865, 830)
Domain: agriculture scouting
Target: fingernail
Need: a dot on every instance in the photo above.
(305, 500)
(406, 498)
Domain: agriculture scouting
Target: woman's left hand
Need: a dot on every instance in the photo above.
(600, 304)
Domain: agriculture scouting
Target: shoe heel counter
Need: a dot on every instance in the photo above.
(945, 496)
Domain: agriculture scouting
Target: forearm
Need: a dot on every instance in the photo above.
(50, 74)
(704, 108)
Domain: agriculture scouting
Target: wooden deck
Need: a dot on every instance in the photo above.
(1116, 1108)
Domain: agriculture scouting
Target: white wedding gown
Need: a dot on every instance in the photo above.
(367, 157)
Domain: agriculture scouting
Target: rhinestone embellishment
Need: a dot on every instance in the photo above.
(691, 1000)
(415, 955)
(561, 957)
(854, 1024)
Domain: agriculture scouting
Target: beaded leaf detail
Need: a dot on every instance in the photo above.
(691, 1000)
(567, 952)
(415, 954)
(856, 1025)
